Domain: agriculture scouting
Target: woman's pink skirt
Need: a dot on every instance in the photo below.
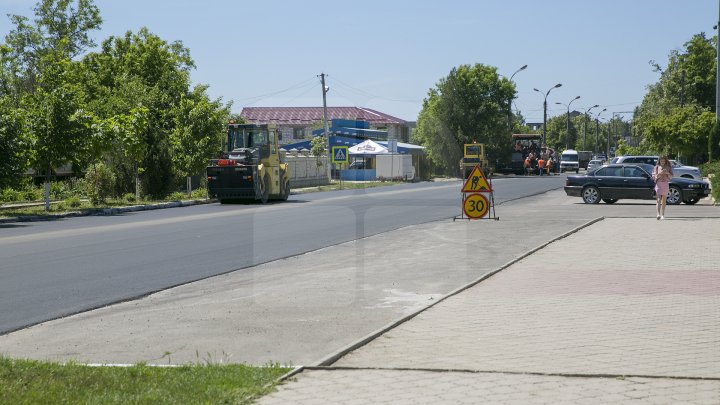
(662, 188)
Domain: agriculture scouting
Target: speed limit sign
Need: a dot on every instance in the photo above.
(475, 206)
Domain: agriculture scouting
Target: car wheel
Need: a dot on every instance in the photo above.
(609, 200)
(691, 201)
(591, 195)
(674, 196)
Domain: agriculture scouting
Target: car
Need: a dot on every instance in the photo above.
(679, 169)
(614, 182)
(594, 164)
(357, 165)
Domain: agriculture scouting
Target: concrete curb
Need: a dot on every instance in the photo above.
(105, 211)
(332, 358)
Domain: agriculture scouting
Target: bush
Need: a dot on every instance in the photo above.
(129, 197)
(100, 182)
(34, 194)
(177, 196)
(73, 202)
(10, 195)
(199, 193)
(708, 168)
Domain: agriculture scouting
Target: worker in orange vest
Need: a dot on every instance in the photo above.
(541, 166)
(548, 165)
(527, 166)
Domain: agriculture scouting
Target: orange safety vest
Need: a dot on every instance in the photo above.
(541, 163)
(527, 162)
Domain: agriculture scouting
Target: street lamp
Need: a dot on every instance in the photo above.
(585, 126)
(510, 102)
(567, 122)
(542, 141)
(597, 130)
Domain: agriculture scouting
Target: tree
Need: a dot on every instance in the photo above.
(685, 90)
(468, 105)
(12, 148)
(60, 31)
(199, 128)
(142, 70)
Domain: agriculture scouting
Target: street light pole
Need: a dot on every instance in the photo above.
(585, 126)
(542, 140)
(597, 130)
(567, 122)
(510, 101)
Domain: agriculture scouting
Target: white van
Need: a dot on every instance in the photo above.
(569, 160)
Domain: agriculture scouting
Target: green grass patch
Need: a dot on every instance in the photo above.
(36, 382)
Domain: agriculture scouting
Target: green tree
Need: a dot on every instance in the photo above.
(60, 31)
(12, 148)
(685, 90)
(199, 128)
(142, 70)
(470, 104)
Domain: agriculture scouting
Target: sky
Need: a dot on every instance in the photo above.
(386, 55)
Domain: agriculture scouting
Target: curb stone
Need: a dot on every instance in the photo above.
(105, 211)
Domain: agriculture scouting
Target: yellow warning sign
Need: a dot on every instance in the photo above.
(476, 182)
(475, 206)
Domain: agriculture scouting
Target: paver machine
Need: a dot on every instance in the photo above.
(473, 155)
(251, 167)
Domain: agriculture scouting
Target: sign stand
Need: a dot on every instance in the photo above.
(474, 203)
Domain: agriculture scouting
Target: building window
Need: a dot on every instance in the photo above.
(298, 133)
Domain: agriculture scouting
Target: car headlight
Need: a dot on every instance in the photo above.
(694, 185)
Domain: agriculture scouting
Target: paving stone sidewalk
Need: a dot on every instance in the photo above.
(623, 311)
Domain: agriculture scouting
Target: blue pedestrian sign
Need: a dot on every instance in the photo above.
(339, 154)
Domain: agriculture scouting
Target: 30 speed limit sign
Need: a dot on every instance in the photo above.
(475, 206)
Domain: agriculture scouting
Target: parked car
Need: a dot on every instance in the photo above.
(631, 181)
(680, 170)
(594, 164)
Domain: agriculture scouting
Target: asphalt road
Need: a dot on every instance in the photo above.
(57, 268)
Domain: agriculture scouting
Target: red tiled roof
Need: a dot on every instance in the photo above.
(310, 115)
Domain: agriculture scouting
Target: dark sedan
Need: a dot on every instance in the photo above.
(631, 181)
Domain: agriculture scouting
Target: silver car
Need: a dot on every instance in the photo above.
(594, 164)
(679, 169)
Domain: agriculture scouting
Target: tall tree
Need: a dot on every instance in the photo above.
(685, 90)
(470, 104)
(199, 127)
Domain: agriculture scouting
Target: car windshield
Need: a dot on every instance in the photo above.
(569, 157)
(675, 163)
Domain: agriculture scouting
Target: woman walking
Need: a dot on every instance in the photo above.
(662, 174)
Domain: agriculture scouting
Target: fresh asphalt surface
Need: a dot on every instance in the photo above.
(51, 269)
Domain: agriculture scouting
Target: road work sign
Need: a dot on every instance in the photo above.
(476, 182)
(339, 154)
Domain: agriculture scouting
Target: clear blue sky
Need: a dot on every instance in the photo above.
(387, 54)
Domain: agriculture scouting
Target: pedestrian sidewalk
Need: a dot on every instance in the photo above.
(626, 310)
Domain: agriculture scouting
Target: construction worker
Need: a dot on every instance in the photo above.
(527, 166)
(541, 166)
(548, 165)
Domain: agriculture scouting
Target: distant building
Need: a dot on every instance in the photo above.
(296, 123)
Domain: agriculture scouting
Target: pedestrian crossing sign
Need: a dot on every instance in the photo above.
(339, 154)
(476, 182)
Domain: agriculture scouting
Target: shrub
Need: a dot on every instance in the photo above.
(199, 193)
(708, 168)
(129, 197)
(73, 202)
(100, 182)
(34, 194)
(10, 195)
(176, 196)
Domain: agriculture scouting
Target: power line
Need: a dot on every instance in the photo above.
(260, 97)
(368, 94)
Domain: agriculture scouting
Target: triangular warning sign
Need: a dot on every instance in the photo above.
(476, 182)
(339, 154)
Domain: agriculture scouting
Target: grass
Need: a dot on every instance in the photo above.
(36, 382)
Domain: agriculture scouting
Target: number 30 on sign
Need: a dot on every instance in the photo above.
(475, 206)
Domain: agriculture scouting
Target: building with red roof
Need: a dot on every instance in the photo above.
(296, 123)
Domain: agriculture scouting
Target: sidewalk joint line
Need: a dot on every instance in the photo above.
(533, 373)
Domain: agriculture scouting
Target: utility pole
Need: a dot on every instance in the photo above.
(325, 125)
